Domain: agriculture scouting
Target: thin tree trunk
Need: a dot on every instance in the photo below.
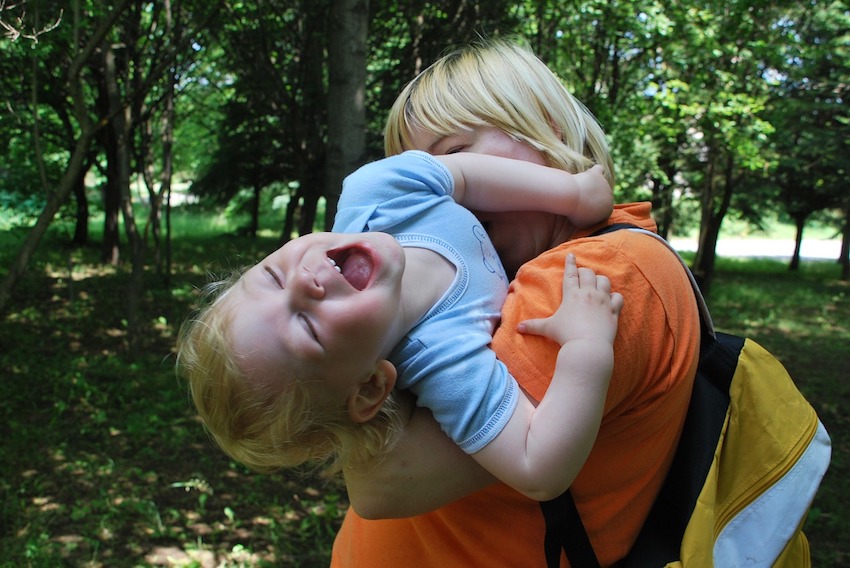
(306, 118)
(348, 30)
(710, 224)
(54, 201)
(81, 224)
(844, 259)
(121, 125)
(800, 223)
(168, 148)
(111, 242)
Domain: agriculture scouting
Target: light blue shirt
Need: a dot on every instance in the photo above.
(445, 360)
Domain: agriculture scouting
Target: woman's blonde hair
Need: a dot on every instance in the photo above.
(503, 84)
(266, 426)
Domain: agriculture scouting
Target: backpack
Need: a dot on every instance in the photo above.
(749, 462)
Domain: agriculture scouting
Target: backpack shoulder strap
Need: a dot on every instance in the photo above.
(564, 530)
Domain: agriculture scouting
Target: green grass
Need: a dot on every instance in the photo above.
(102, 462)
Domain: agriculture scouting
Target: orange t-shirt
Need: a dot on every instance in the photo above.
(656, 352)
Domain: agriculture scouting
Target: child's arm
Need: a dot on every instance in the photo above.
(541, 450)
(492, 183)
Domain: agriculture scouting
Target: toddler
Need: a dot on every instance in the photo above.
(298, 359)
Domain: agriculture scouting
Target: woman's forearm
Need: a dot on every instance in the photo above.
(425, 471)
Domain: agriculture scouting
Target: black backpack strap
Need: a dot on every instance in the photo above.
(660, 538)
(564, 530)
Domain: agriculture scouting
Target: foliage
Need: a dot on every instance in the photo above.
(689, 94)
(809, 108)
(103, 463)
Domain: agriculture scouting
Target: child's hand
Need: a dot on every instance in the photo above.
(588, 310)
(595, 198)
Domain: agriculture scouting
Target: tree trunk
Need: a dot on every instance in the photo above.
(844, 260)
(144, 163)
(167, 139)
(662, 199)
(289, 219)
(800, 223)
(54, 201)
(81, 224)
(111, 242)
(711, 221)
(120, 127)
(349, 25)
(308, 120)
(706, 254)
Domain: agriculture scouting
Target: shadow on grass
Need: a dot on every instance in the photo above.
(103, 463)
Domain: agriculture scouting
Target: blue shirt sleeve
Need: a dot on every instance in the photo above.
(382, 196)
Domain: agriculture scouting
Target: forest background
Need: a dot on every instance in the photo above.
(146, 144)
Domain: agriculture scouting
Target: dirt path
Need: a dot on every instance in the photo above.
(813, 249)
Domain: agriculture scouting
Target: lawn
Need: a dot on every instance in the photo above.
(103, 463)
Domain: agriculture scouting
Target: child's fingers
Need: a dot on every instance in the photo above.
(587, 278)
(531, 326)
(570, 270)
(603, 284)
(617, 302)
(583, 277)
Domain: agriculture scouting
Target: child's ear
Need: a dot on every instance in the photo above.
(372, 392)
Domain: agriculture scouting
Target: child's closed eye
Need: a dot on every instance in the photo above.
(274, 276)
(308, 325)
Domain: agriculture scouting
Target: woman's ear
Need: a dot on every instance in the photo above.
(372, 392)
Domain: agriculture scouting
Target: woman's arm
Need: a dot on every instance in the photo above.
(424, 471)
(492, 183)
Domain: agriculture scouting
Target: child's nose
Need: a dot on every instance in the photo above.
(310, 284)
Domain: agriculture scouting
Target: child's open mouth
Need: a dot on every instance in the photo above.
(355, 264)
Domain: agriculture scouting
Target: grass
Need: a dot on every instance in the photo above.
(103, 463)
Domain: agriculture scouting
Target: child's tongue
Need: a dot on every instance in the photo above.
(357, 269)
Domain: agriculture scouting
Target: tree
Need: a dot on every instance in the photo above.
(719, 55)
(346, 145)
(113, 74)
(72, 77)
(809, 107)
(271, 57)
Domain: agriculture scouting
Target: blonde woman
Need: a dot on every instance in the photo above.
(498, 98)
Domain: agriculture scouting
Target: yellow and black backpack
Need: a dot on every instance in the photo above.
(750, 460)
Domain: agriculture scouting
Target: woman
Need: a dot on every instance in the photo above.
(498, 98)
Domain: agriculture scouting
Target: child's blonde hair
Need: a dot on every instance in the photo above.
(265, 426)
(503, 84)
